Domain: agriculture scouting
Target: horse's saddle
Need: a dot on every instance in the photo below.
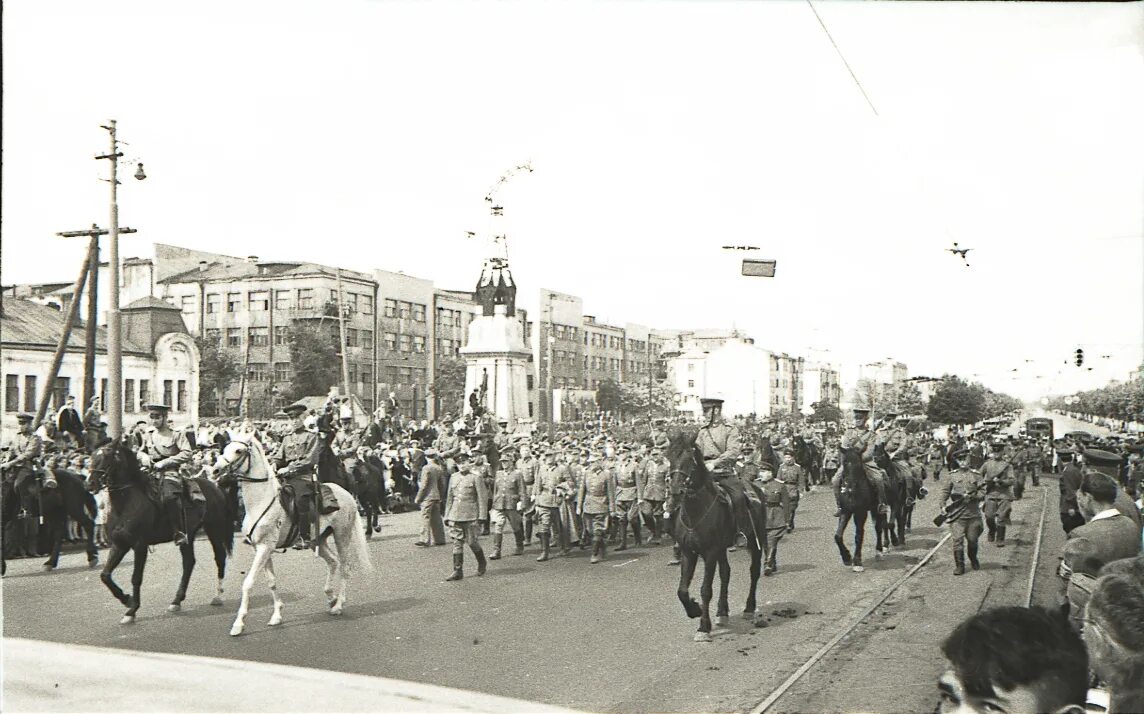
(327, 503)
(743, 499)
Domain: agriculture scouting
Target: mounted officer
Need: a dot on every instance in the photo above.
(163, 451)
(720, 444)
(24, 455)
(858, 436)
(296, 462)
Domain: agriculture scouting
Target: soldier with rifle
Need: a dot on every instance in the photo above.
(965, 488)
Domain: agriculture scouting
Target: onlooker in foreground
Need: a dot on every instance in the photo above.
(1114, 633)
(1014, 659)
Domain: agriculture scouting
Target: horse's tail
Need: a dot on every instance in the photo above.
(356, 558)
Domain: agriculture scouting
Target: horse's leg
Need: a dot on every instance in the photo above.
(140, 551)
(88, 527)
(686, 571)
(723, 609)
(839, 532)
(859, 539)
(219, 547)
(261, 556)
(755, 544)
(57, 527)
(272, 580)
(188, 553)
(332, 574)
(342, 536)
(113, 559)
(706, 591)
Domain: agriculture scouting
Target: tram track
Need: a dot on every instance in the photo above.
(809, 664)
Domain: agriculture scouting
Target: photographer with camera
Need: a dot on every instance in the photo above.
(964, 488)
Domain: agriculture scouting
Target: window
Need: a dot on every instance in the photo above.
(103, 391)
(188, 304)
(234, 337)
(60, 392)
(444, 317)
(559, 329)
(690, 366)
(691, 383)
(281, 335)
(418, 312)
(406, 343)
(233, 302)
(181, 396)
(351, 303)
(351, 338)
(352, 373)
(213, 336)
(528, 381)
(168, 391)
(366, 304)
(281, 371)
(129, 395)
(30, 393)
(305, 298)
(11, 393)
(405, 374)
(390, 341)
(391, 376)
(403, 310)
(144, 393)
(259, 300)
(572, 332)
(232, 405)
(259, 336)
(418, 343)
(213, 302)
(390, 308)
(257, 372)
(367, 376)
(282, 299)
(367, 339)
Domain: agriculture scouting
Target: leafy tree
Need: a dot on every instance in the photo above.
(448, 386)
(1123, 401)
(909, 399)
(825, 411)
(218, 369)
(956, 402)
(315, 365)
(634, 399)
(609, 396)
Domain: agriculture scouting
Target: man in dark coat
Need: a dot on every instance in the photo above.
(68, 422)
(1071, 516)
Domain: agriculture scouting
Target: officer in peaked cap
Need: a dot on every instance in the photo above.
(859, 437)
(164, 450)
(1070, 480)
(24, 454)
(1106, 462)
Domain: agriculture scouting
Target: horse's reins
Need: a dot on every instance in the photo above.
(245, 477)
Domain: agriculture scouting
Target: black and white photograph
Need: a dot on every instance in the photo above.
(690, 356)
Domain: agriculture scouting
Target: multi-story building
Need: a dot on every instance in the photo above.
(406, 337)
(821, 383)
(736, 371)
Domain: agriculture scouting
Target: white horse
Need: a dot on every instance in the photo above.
(267, 524)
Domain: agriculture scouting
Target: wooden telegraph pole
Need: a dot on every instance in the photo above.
(92, 308)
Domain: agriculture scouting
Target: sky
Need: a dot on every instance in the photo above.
(366, 135)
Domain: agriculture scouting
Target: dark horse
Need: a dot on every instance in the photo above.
(806, 455)
(705, 527)
(368, 477)
(857, 501)
(896, 484)
(136, 521)
(69, 499)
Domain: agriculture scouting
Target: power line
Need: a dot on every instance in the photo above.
(843, 57)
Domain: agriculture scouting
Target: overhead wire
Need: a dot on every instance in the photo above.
(843, 57)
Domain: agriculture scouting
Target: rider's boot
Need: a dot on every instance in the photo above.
(519, 537)
(836, 486)
(498, 539)
(959, 562)
(623, 526)
(458, 567)
(544, 541)
(1000, 536)
(175, 514)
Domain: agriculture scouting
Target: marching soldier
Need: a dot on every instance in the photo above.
(776, 498)
(628, 496)
(653, 490)
(528, 465)
(597, 499)
(832, 458)
(465, 508)
(1033, 461)
(549, 478)
(430, 490)
(296, 462)
(509, 495)
(793, 478)
(858, 436)
(163, 451)
(998, 475)
(963, 488)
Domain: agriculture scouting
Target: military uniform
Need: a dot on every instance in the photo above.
(793, 477)
(24, 457)
(596, 499)
(1071, 475)
(863, 440)
(998, 497)
(966, 527)
(509, 491)
(628, 495)
(776, 500)
(528, 467)
(545, 495)
(167, 451)
(296, 462)
(653, 489)
(465, 507)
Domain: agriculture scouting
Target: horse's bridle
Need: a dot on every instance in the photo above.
(690, 490)
(231, 468)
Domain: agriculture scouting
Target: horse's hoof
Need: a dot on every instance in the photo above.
(331, 602)
(877, 555)
(859, 569)
(336, 610)
(749, 616)
(216, 602)
(174, 607)
(236, 631)
(275, 621)
(722, 620)
(47, 567)
(702, 637)
(127, 620)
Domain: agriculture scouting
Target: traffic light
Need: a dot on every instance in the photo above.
(1079, 357)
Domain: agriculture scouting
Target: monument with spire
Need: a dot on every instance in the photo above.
(495, 353)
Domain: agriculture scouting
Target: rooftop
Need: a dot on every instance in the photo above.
(24, 323)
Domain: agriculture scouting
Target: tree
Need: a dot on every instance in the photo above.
(448, 386)
(218, 369)
(315, 365)
(825, 411)
(609, 397)
(909, 399)
(868, 394)
(634, 399)
(956, 402)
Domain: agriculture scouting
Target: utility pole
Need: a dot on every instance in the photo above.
(549, 339)
(342, 338)
(114, 331)
(92, 308)
(65, 335)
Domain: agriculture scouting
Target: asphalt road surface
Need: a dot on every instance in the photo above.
(606, 637)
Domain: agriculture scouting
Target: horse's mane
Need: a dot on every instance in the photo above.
(680, 443)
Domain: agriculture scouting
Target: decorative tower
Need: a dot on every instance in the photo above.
(496, 356)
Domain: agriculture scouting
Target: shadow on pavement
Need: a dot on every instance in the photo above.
(796, 568)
